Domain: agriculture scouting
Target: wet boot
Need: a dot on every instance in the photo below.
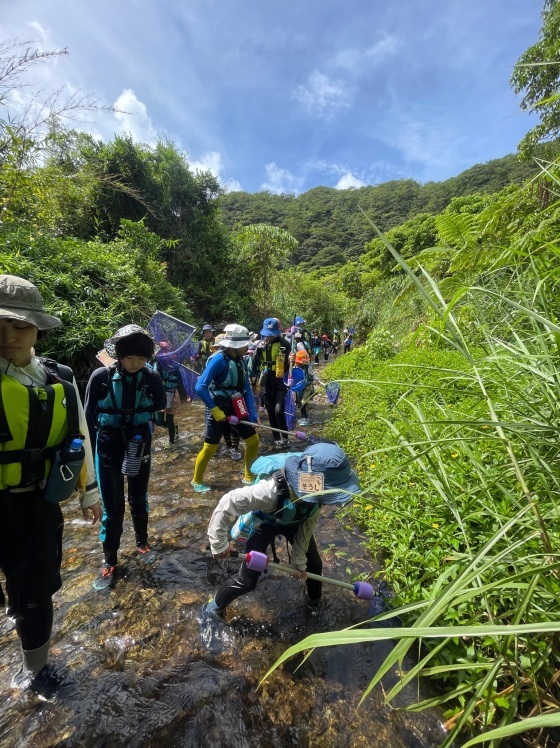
(34, 660)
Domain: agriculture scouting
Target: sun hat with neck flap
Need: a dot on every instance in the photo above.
(332, 462)
(22, 301)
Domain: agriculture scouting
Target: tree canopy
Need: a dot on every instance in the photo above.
(537, 77)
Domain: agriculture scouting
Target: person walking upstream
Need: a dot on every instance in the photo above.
(40, 416)
(120, 404)
(273, 361)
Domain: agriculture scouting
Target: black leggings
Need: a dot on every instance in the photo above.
(276, 410)
(246, 580)
(30, 557)
(170, 423)
(108, 464)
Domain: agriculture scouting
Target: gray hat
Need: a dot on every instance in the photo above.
(21, 300)
(332, 462)
(235, 336)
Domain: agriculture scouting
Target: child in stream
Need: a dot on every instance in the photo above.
(290, 510)
(225, 377)
(120, 404)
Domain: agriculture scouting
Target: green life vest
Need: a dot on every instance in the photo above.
(287, 512)
(34, 423)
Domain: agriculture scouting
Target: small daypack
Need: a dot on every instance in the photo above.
(287, 512)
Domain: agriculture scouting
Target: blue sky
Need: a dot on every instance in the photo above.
(289, 95)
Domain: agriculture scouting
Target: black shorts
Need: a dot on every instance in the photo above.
(216, 429)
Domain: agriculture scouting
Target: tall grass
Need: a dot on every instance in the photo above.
(461, 487)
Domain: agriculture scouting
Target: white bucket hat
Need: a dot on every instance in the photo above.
(235, 336)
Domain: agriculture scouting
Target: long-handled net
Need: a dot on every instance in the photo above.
(179, 350)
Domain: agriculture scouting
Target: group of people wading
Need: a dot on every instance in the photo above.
(51, 446)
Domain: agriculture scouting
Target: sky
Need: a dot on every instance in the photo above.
(287, 95)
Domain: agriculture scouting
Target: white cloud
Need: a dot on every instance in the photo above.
(280, 181)
(431, 141)
(359, 60)
(213, 162)
(132, 116)
(44, 35)
(384, 48)
(348, 180)
(322, 94)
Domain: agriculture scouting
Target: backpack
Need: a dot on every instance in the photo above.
(286, 513)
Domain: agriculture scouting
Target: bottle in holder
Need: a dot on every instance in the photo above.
(263, 376)
(244, 527)
(280, 365)
(133, 456)
(65, 471)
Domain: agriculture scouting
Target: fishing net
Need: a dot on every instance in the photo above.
(179, 349)
(332, 390)
(290, 409)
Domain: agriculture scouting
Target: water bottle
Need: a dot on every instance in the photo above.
(133, 456)
(239, 406)
(65, 471)
(245, 526)
(263, 377)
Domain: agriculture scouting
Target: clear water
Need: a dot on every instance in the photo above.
(139, 669)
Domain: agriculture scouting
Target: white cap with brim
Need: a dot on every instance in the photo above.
(21, 300)
(331, 461)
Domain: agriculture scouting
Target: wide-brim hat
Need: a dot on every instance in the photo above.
(21, 300)
(140, 339)
(332, 462)
(235, 336)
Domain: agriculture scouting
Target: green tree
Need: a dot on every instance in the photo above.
(537, 77)
(261, 249)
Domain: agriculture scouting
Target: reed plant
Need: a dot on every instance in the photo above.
(459, 456)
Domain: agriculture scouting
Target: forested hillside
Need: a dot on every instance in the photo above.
(329, 224)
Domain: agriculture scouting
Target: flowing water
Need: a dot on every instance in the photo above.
(139, 669)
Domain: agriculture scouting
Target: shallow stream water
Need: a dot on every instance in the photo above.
(138, 669)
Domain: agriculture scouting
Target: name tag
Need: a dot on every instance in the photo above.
(311, 482)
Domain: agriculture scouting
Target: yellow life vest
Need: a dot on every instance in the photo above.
(33, 421)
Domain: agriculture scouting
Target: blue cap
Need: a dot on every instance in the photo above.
(271, 328)
(300, 321)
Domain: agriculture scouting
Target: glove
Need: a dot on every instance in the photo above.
(218, 414)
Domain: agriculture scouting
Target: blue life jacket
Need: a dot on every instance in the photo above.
(110, 411)
(233, 380)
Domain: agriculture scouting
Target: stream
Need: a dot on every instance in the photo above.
(137, 668)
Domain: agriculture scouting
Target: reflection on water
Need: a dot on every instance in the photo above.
(139, 667)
